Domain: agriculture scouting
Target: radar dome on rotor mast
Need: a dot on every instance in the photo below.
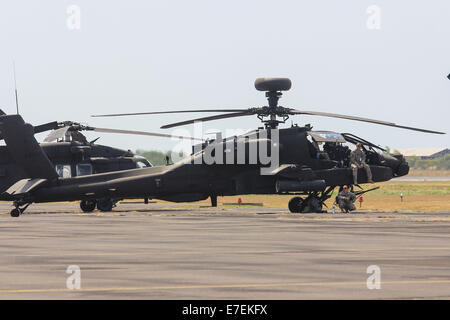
(273, 84)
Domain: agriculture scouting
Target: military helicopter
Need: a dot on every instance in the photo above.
(73, 155)
(297, 166)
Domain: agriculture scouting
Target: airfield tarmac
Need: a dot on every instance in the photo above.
(173, 251)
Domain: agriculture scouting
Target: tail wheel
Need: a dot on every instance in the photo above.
(105, 205)
(88, 205)
(15, 212)
(295, 205)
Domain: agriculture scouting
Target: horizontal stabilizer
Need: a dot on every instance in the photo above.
(24, 186)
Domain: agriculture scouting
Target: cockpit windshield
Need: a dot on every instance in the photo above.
(335, 146)
(329, 145)
(326, 136)
(142, 162)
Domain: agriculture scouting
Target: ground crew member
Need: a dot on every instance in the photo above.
(345, 200)
(357, 161)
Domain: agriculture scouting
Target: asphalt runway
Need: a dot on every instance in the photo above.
(170, 251)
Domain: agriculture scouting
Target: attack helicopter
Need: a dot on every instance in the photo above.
(73, 155)
(297, 164)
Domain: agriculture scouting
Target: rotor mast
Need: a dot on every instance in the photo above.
(272, 98)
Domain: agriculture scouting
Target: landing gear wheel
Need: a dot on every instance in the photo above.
(88, 205)
(315, 205)
(15, 212)
(295, 205)
(105, 205)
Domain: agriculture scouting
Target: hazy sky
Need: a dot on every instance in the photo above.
(135, 56)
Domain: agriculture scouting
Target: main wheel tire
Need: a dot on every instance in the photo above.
(88, 205)
(314, 205)
(295, 205)
(15, 212)
(105, 205)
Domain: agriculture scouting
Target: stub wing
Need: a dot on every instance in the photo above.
(293, 171)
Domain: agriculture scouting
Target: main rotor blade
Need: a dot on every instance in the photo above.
(217, 117)
(143, 133)
(384, 123)
(164, 112)
(46, 127)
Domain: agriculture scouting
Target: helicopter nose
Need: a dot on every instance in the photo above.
(403, 167)
(397, 163)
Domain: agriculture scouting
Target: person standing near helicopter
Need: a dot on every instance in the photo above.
(357, 161)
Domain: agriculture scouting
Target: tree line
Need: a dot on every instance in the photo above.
(158, 158)
(441, 163)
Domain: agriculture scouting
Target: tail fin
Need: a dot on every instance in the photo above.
(24, 149)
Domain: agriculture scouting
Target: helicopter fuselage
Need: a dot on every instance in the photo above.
(71, 159)
(301, 168)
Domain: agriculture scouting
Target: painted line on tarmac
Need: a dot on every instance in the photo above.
(227, 252)
(229, 286)
(158, 253)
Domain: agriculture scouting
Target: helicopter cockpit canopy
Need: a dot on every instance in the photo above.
(326, 136)
(328, 145)
(142, 162)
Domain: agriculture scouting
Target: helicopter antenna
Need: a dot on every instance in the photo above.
(15, 87)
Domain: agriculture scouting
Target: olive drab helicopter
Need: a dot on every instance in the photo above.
(73, 155)
(309, 164)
